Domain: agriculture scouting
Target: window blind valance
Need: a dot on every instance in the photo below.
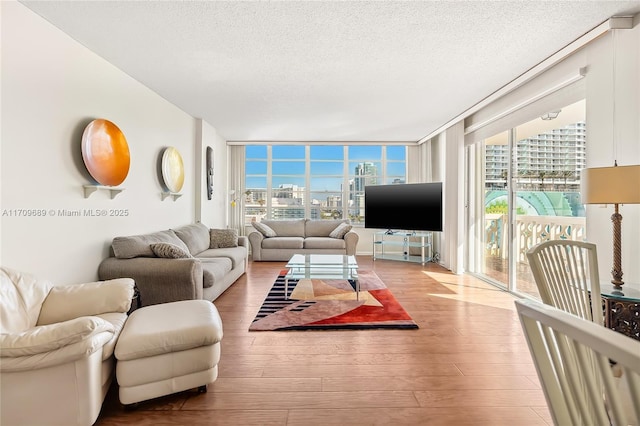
(559, 86)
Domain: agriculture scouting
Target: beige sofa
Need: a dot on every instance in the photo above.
(300, 236)
(205, 271)
(57, 345)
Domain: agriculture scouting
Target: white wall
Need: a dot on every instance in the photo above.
(211, 212)
(453, 194)
(604, 144)
(52, 87)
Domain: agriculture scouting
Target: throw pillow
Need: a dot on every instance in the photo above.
(264, 229)
(340, 230)
(169, 251)
(223, 238)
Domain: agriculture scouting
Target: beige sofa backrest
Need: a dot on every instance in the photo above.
(321, 228)
(196, 236)
(140, 245)
(287, 228)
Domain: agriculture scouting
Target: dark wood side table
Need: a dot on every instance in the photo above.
(622, 308)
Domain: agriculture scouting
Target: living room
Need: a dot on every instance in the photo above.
(53, 86)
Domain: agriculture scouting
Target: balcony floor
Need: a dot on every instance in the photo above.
(497, 269)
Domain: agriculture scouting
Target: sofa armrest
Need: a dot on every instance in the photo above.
(158, 280)
(351, 243)
(243, 241)
(67, 302)
(80, 349)
(47, 338)
(255, 238)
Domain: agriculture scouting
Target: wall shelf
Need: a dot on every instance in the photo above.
(90, 189)
(174, 195)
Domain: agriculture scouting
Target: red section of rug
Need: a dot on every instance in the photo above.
(390, 311)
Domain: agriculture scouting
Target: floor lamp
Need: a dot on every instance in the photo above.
(612, 185)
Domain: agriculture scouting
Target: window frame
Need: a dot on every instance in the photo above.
(345, 193)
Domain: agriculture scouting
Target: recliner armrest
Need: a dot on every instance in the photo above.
(47, 338)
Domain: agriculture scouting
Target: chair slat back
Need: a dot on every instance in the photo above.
(566, 274)
(573, 357)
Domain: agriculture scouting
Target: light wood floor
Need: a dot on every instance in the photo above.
(468, 364)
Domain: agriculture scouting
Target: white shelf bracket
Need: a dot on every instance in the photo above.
(90, 189)
(174, 195)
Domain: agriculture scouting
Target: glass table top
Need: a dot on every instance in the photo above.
(322, 260)
(330, 266)
(628, 291)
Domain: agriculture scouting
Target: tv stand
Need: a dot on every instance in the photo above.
(406, 246)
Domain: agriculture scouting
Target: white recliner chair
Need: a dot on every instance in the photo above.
(56, 347)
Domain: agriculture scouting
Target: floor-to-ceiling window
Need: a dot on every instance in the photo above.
(530, 192)
(316, 181)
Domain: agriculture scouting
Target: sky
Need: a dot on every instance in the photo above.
(326, 164)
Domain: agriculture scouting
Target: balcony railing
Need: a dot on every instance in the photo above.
(530, 230)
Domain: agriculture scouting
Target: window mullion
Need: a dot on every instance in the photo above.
(346, 189)
(383, 172)
(269, 183)
(307, 181)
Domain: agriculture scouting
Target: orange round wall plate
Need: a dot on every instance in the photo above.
(172, 169)
(105, 152)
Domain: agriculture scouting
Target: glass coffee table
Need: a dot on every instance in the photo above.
(319, 266)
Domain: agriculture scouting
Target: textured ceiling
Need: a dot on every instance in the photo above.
(326, 70)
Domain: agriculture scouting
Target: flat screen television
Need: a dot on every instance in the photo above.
(407, 206)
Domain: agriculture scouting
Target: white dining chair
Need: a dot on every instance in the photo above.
(573, 357)
(566, 274)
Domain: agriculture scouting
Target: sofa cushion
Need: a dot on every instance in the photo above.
(264, 229)
(169, 251)
(324, 243)
(66, 302)
(321, 228)
(195, 236)
(283, 243)
(286, 228)
(238, 255)
(223, 238)
(214, 269)
(21, 298)
(340, 231)
(140, 245)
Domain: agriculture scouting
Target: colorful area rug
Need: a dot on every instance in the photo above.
(316, 304)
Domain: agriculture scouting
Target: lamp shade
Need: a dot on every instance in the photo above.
(611, 185)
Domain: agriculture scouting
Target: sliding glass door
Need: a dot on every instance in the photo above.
(529, 193)
(494, 208)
